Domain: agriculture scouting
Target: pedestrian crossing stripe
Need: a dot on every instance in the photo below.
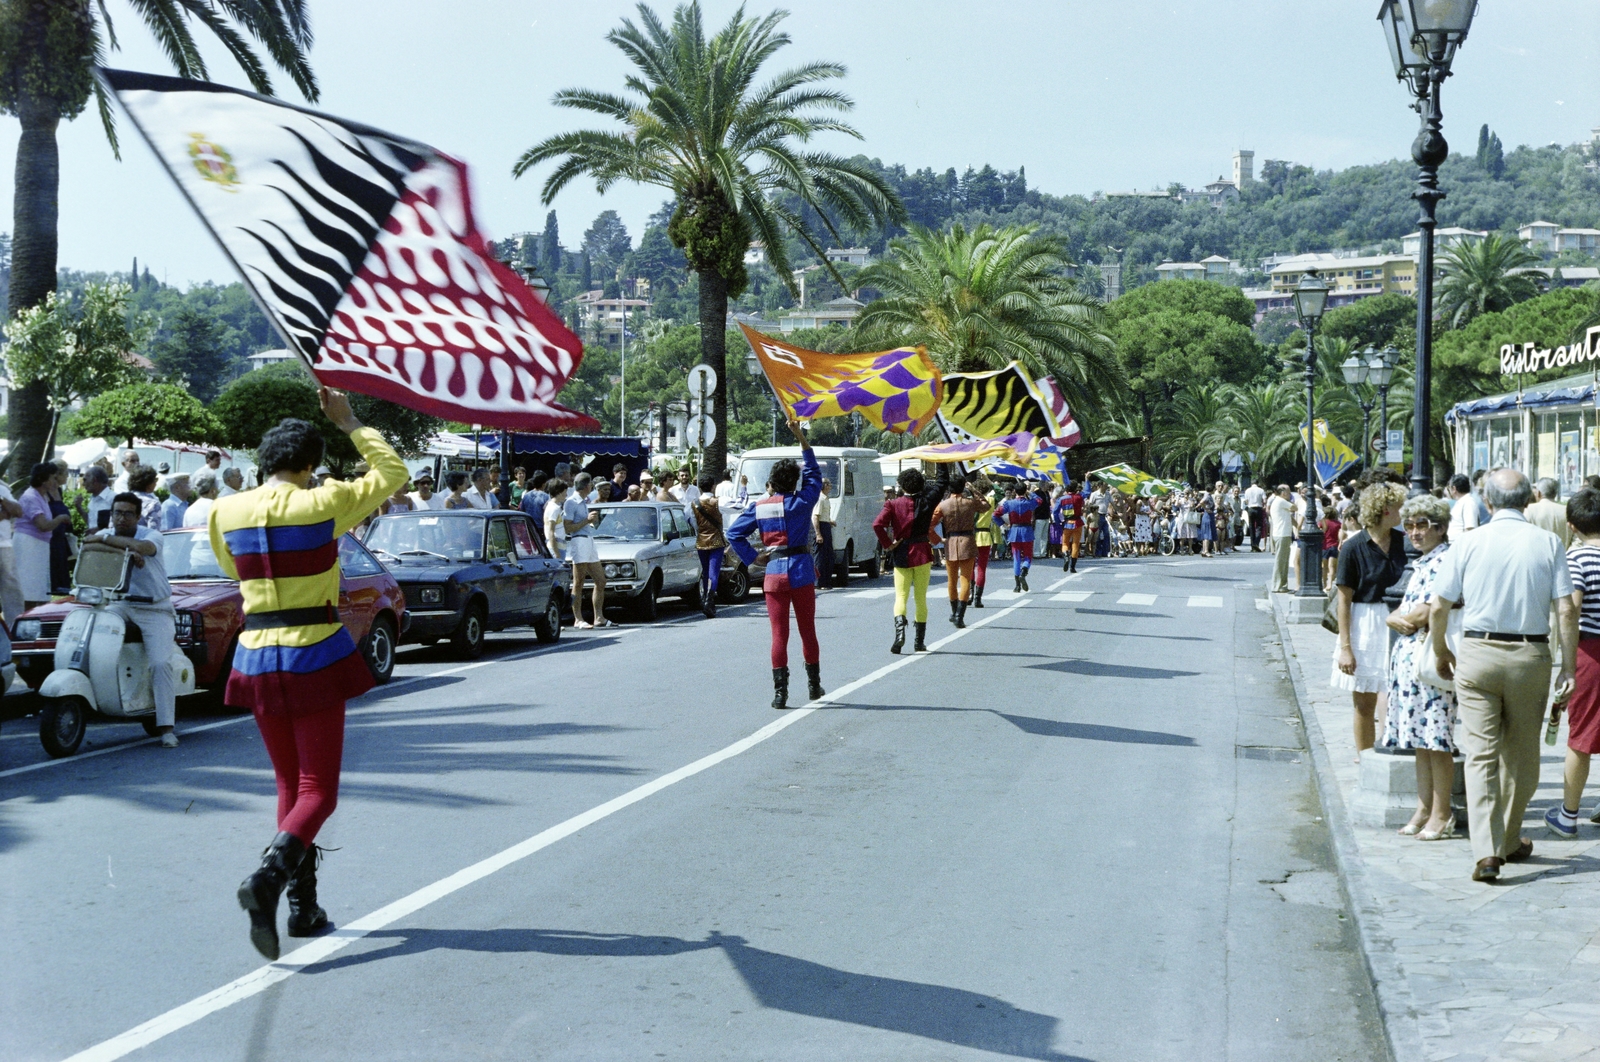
(1201, 601)
(1137, 599)
(1127, 575)
(1073, 595)
(877, 591)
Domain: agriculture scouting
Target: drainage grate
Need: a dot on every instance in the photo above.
(1268, 752)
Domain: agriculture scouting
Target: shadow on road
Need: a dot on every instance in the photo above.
(1121, 612)
(1100, 670)
(780, 982)
(1029, 724)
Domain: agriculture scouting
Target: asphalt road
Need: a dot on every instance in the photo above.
(1081, 829)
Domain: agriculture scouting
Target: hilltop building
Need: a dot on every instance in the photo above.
(1548, 238)
(836, 313)
(1443, 240)
(1244, 164)
(604, 317)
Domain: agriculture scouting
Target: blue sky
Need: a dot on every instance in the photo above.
(1086, 94)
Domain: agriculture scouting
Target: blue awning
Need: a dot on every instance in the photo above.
(595, 445)
(1561, 393)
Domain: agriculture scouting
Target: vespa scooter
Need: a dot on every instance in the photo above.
(101, 667)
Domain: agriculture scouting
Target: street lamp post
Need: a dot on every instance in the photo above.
(1356, 369)
(1423, 36)
(1381, 375)
(753, 365)
(1310, 297)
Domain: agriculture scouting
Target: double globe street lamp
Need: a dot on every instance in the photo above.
(1423, 36)
(1377, 370)
(1310, 299)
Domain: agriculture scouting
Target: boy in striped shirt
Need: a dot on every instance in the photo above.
(1583, 720)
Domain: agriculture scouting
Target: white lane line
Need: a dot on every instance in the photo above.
(1128, 575)
(1073, 595)
(264, 977)
(1063, 581)
(880, 591)
(1137, 599)
(1201, 601)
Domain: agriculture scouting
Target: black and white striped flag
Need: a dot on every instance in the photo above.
(362, 249)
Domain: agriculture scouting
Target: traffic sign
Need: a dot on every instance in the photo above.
(1396, 447)
(700, 432)
(702, 380)
(694, 405)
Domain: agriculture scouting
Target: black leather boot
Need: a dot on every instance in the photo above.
(899, 635)
(1024, 580)
(814, 688)
(306, 916)
(977, 597)
(955, 609)
(1016, 584)
(258, 894)
(1074, 565)
(780, 687)
(708, 601)
(921, 644)
(961, 615)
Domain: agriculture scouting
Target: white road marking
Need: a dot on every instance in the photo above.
(879, 591)
(1200, 601)
(1128, 575)
(264, 977)
(1063, 581)
(1073, 595)
(1137, 599)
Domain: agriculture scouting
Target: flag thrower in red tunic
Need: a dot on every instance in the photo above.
(361, 248)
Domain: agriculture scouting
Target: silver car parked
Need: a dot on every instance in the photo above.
(647, 551)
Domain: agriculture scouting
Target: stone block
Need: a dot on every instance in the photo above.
(1301, 609)
(1386, 790)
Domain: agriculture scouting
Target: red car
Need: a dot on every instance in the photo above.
(211, 611)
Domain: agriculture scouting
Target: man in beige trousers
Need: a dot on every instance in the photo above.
(1507, 572)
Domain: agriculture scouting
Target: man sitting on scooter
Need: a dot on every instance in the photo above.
(148, 604)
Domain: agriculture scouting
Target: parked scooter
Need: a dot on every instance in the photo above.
(100, 666)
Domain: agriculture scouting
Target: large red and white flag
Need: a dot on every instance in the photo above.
(361, 248)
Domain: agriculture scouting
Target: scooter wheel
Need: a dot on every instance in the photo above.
(62, 722)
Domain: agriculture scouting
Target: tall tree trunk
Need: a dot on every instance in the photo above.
(33, 263)
(714, 352)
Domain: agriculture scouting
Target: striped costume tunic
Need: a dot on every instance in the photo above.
(784, 521)
(282, 544)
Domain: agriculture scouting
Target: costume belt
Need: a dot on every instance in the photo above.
(292, 617)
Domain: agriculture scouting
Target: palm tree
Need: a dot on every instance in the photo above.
(1477, 278)
(1591, 314)
(978, 300)
(48, 49)
(697, 123)
(1262, 423)
(1194, 430)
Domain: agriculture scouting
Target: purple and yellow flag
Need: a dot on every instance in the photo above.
(896, 390)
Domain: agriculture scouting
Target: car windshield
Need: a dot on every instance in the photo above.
(457, 538)
(628, 525)
(187, 554)
(757, 470)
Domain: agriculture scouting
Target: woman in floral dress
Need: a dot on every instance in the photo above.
(1422, 717)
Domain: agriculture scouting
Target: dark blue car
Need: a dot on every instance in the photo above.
(466, 572)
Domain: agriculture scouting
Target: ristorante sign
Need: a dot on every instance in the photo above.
(1527, 357)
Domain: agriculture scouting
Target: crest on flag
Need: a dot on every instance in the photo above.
(896, 390)
(1333, 456)
(362, 249)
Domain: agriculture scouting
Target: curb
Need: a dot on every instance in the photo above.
(1396, 1005)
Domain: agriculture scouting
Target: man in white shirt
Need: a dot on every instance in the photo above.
(232, 482)
(1506, 573)
(98, 486)
(424, 497)
(478, 495)
(1463, 507)
(130, 461)
(11, 602)
(725, 491)
(205, 488)
(148, 604)
(1255, 501)
(681, 488)
(1280, 528)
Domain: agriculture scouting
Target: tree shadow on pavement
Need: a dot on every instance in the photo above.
(1097, 669)
(1029, 724)
(1116, 612)
(779, 982)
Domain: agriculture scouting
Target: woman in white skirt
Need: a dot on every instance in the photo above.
(32, 536)
(1370, 562)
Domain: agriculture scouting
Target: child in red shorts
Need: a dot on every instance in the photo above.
(1583, 719)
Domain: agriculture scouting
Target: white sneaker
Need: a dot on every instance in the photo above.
(169, 740)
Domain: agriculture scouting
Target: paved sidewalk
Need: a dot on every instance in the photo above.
(1463, 971)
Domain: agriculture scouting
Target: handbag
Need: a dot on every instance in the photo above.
(1428, 663)
(1192, 517)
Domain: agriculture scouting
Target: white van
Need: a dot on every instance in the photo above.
(857, 486)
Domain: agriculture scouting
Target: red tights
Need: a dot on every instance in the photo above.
(306, 752)
(804, 600)
(980, 567)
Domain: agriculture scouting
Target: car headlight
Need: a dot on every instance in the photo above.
(26, 630)
(626, 570)
(431, 595)
(611, 571)
(189, 628)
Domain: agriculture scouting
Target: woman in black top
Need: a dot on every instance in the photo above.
(1370, 561)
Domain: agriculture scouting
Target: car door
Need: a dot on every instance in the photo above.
(538, 573)
(505, 573)
(359, 572)
(681, 555)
